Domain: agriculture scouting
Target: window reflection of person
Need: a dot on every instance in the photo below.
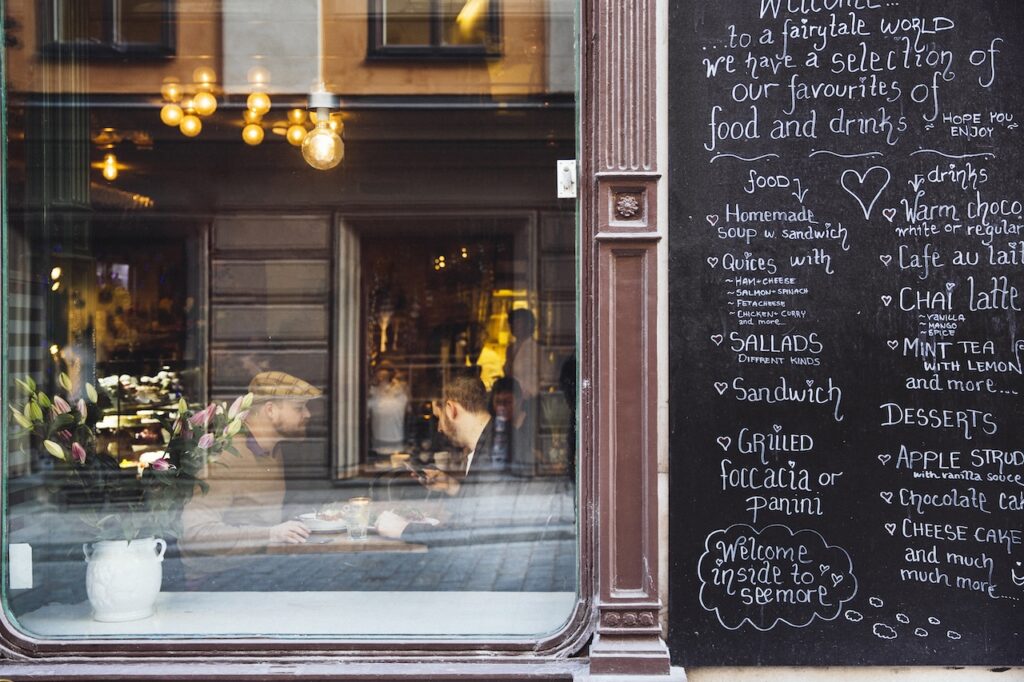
(464, 418)
(386, 403)
(513, 426)
(241, 512)
(521, 356)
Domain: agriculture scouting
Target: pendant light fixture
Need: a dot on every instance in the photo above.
(322, 147)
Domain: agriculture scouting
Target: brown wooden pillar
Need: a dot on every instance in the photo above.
(623, 233)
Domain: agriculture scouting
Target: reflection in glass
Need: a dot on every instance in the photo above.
(311, 402)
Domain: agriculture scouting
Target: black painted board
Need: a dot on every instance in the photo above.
(846, 336)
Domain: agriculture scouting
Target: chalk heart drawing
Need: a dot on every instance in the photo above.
(712, 220)
(817, 576)
(776, 427)
(886, 300)
(866, 187)
(891, 528)
(724, 442)
(712, 261)
(889, 213)
(884, 459)
(886, 259)
(717, 339)
(950, 286)
(893, 343)
(720, 386)
(886, 497)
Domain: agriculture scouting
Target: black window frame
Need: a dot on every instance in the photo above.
(111, 45)
(378, 50)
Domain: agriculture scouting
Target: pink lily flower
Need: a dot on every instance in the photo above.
(233, 410)
(161, 465)
(78, 453)
(82, 410)
(60, 406)
(203, 417)
(206, 441)
(64, 435)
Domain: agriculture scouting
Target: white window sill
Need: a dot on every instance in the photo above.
(321, 614)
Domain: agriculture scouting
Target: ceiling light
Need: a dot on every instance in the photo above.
(252, 134)
(171, 114)
(296, 134)
(190, 125)
(322, 148)
(205, 103)
(258, 102)
(171, 90)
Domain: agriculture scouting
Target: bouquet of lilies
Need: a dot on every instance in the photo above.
(115, 501)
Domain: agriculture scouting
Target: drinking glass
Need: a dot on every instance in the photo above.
(357, 518)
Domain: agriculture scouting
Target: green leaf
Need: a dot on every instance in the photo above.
(65, 381)
(61, 422)
(54, 449)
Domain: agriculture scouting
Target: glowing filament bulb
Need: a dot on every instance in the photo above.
(296, 134)
(252, 134)
(205, 103)
(190, 125)
(259, 102)
(171, 114)
(323, 148)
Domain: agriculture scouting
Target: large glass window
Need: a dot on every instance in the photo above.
(292, 335)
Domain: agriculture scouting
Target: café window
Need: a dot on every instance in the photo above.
(286, 364)
(108, 28)
(435, 28)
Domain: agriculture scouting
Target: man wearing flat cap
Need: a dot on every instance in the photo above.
(241, 514)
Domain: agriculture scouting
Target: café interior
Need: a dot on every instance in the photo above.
(360, 195)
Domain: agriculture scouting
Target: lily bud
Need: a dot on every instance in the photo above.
(78, 453)
(54, 449)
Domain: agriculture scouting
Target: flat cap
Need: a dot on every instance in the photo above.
(281, 386)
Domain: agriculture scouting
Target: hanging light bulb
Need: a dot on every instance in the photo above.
(296, 116)
(258, 75)
(250, 116)
(204, 75)
(171, 114)
(109, 167)
(323, 149)
(190, 125)
(258, 102)
(171, 90)
(296, 134)
(205, 103)
(252, 134)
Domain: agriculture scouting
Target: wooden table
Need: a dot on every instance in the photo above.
(331, 543)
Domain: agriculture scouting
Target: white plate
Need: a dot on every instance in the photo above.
(316, 525)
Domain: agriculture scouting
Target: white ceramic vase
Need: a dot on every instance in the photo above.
(123, 578)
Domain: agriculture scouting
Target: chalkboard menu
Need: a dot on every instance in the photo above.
(846, 335)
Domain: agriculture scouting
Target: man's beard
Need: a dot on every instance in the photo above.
(291, 431)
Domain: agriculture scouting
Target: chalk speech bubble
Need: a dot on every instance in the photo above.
(773, 575)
